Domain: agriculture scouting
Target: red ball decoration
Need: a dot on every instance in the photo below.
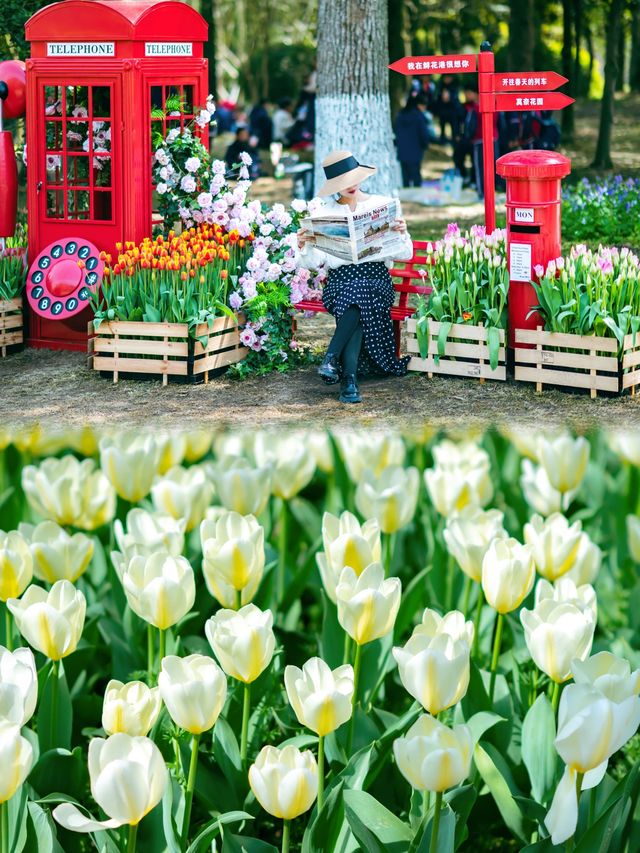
(13, 74)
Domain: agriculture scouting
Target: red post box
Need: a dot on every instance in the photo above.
(99, 75)
(533, 225)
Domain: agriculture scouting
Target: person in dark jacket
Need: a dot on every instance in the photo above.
(448, 108)
(242, 145)
(260, 124)
(412, 139)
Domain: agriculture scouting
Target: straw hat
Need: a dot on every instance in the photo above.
(342, 170)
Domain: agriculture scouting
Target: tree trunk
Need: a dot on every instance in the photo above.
(578, 24)
(568, 120)
(591, 50)
(266, 33)
(352, 107)
(208, 12)
(602, 159)
(398, 83)
(622, 43)
(634, 70)
(522, 35)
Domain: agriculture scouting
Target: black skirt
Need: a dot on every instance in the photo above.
(368, 286)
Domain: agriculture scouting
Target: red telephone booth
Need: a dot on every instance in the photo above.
(98, 81)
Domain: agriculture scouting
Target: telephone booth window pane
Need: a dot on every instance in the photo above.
(101, 171)
(102, 205)
(78, 171)
(77, 135)
(187, 100)
(101, 137)
(77, 105)
(55, 205)
(78, 204)
(53, 135)
(53, 166)
(101, 101)
(52, 100)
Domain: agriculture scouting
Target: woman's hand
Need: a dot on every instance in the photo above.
(399, 225)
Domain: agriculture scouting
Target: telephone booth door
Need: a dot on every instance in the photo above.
(79, 173)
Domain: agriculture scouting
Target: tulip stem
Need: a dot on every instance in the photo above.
(238, 599)
(387, 555)
(53, 722)
(346, 655)
(286, 826)
(476, 623)
(4, 827)
(467, 595)
(555, 697)
(572, 841)
(162, 646)
(320, 771)
(8, 629)
(133, 835)
(592, 806)
(448, 585)
(150, 653)
(191, 785)
(435, 828)
(354, 701)
(426, 802)
(282, 550)
(497, 642)
(246, 707)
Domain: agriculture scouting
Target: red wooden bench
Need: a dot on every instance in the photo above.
(405, 276)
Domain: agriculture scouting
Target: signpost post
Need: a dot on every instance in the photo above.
(525, 90)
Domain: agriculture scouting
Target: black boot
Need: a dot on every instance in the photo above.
(330, 369)
(349, 389)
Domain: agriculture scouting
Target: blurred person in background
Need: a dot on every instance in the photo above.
(470, 142)
(260, 124)
(283, 120)
(448, 109)
(412, 139)
(242, 144)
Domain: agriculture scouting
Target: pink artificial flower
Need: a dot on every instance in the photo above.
(248, 337)
(539, 270)
(235, 301)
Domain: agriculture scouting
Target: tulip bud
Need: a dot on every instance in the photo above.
(284, 781)
(128, 779)
(434, 663)
(51, 622)
(16, 759)
(197, 444)
(565, 460)
(130, 461)
(18, 686)
(242, 640)
(292, 464)
(346, 543)
(132, 708)
(468, 535)
(160, 588)
(627, 446)
(555, 544)
(148, 532)
(538, 491)
(362, 451)
(367, 605)
(633, 537)
(609, 674)
(320, 698)
(525, 442)
(56, 555)
(233, 555)
(591, 728)
(16, 565)
(452, 487)
(173, 447)
(241, 487)
(560, 628)
(508, 573)
(183, 493)
(194, 689)
(433, 757)
(321, 450)
(391, 497)
(70, 492)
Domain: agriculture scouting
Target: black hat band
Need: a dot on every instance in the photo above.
(342, 167)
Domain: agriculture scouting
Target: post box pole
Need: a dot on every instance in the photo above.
(486, 67)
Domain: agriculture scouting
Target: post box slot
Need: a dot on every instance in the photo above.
(524, 229)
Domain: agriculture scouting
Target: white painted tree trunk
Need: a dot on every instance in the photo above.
(352, 106)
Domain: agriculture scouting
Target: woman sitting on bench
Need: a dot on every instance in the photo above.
(360, 295)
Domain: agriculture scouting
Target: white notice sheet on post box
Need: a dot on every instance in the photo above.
(520, 262)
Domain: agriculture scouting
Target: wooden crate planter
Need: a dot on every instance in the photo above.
(11, 324)
(577, 361)
(164, 349)
(466, 352)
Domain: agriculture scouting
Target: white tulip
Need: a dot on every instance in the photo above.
(160, 589)
(321, 698)
(241, 487)
(284, 781)
(147, 532)
(538, 491)
(368, 604)
(183, 493)
(18, 685)
(587, 562)
(627, 447)
(232, 555)
(433, 757)
(564, 459)
(609, 674)
(132, 708)
(508, 573)
(130, 461)
(242, 640)
(468, 535)
(57, 555)
(373, 451)
(51, 622)
(390, 497)
(16, 759)
(555, 544)
(194, 689)
(292, 464)
(346, 543)
(16, 565)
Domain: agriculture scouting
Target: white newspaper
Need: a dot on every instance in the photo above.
(355, 237)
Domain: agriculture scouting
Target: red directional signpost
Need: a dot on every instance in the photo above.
(525, 90)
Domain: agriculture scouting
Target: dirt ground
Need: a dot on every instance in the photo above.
(58, 388)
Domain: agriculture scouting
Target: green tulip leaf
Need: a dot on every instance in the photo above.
(481, 722)
(60, 736)
(41, 833)
(375, 827)
(203, 841)
(328, 829)
(60, 772)
(497, 785)
(17, 809)
(538, 752)
(446, 832)
(243, 844)
(461, 800)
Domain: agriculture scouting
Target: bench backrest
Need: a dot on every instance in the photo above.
(406, 277)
